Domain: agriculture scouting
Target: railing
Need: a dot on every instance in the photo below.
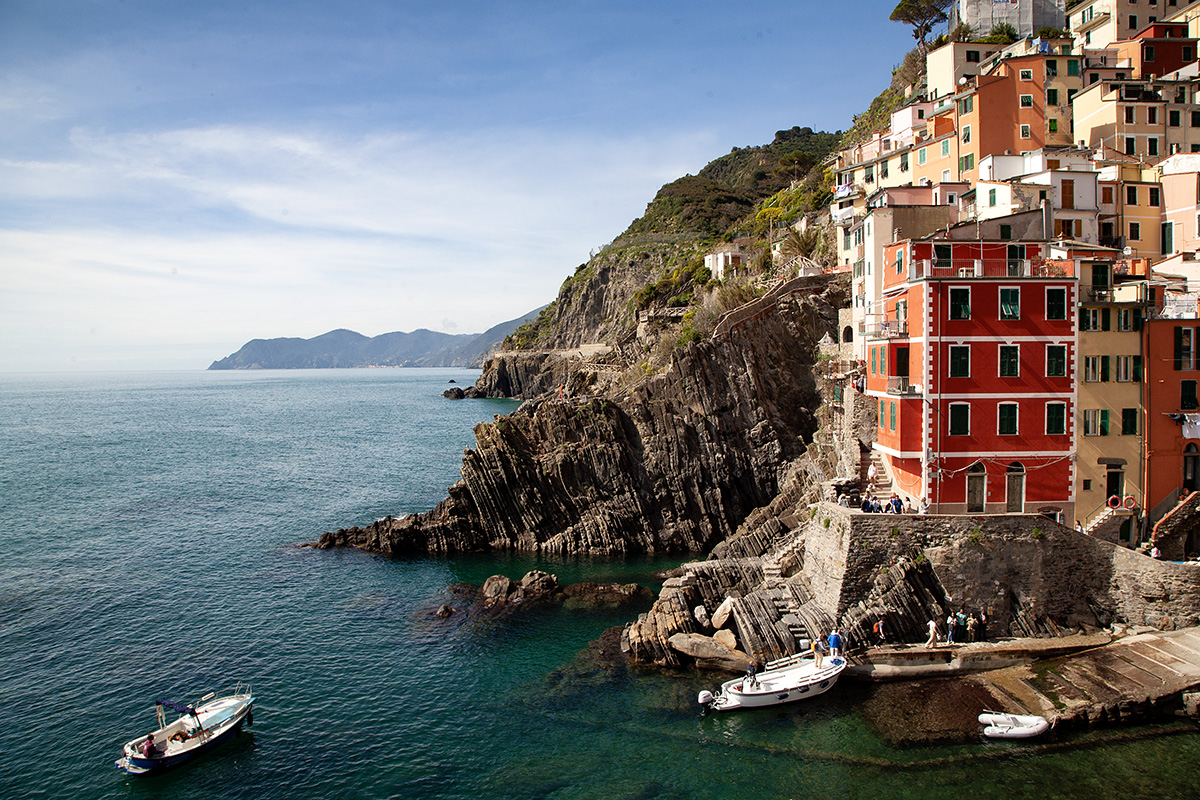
(984, 268)
(898, 384)
(888, 329)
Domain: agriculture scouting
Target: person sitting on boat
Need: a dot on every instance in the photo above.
(148, 748)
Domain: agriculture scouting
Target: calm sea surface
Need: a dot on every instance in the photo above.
(151, 524)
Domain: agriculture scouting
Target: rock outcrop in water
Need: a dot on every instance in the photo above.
(670, 464)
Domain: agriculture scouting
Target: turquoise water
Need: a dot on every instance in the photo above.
(152, 522)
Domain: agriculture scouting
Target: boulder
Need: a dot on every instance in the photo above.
(444, 611)
(721, 615)
(701, 615)
(454, 394)
(726, 638)
(537, 583)
(709, 653)
(497, 588)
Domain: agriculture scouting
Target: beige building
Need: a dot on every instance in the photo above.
(1109, 424)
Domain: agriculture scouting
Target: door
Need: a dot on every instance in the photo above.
(1168, 238)
(1191, 463)
(1015, 489)
(1115, 484)
(976, 488)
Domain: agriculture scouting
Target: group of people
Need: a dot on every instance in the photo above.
(893, 505)
(830, 645)
(961, 627)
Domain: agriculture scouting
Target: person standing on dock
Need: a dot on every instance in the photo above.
(932, 633)
(950, 628)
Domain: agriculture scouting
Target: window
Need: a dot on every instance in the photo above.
(1187, 53)
(960, 419)
(1056, 303)
(960, 303)
(1135, 231)
(1010, 361)
(966, 135)
(1026, 74)
(1129, 369)
(1006, 419)
(1130, 146)
(1095, 422)
(1010, 303)
(1051, 66)
(1089, 319)
(883, 169)
(1148, 53)
(904, 162)
(1073, 66)
(1185, 348)
(921, 156)
(992, 196)
(1052, 125)
(1187, 396)
(960, 361)
(1133, 22)
(1152, 116)
(1026, 132)
(1095, 369)
(1056, 418)
(1129, 115)
(1129, 421)
(1152, 146)
(1131, 195)
(869, 174)
(1129, 319)
(945, 147)
(972, 56)
(966, 105)
(1056, 361)
(1006, 232)
(1195, 119)
(892, 415)
(1026, 101)
(1173, 118)
(1052, 97)
(1106, 195)
(1154, 193)
(967, 162)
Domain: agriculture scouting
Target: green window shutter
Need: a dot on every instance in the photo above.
(1136, 369)
(1137, 319)
(1105, 319)
(1104, 422)
(1104, 368)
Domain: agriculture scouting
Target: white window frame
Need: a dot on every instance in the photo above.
(1000, 360)
(1066, 367)
(1066, 298)
(1091, 422)
(1026, 132)
(1063, 432)
(1016, 419)
(1091, 369)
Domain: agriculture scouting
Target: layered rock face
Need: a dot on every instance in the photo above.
(672, 465)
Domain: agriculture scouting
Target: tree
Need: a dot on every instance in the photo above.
(1002, 33)
(922, 15)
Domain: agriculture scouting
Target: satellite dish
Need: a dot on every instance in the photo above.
(962, 81)
(1128, 251)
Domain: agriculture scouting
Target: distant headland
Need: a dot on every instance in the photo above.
(344, 349)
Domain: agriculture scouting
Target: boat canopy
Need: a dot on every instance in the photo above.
(182, 708)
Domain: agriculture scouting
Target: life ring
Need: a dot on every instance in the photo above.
(1114, 501)
(1130, 502)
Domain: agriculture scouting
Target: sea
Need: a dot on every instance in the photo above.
(153, 532)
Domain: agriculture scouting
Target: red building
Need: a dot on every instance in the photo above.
(973, 368)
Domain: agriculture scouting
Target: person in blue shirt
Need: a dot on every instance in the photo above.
(835, 644)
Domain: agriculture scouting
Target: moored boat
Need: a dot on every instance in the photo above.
(1012, 726)
(785, 680)
(199, 727)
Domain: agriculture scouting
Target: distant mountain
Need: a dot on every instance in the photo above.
(343, 349)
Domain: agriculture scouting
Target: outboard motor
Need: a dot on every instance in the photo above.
(705, 698)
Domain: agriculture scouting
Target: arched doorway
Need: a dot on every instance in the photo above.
(976, 488)
(1014, 502)
(847, 334)
(1191, 466)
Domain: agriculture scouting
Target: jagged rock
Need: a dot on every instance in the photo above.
(444, 611)
(709, 653)
(671, 465)
(454, 394)
(701, 615)
(588, 595)
(497, 588)
(726, 638)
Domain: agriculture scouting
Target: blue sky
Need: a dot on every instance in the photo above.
(179, 178)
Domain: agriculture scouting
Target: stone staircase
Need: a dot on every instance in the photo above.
(883, 487)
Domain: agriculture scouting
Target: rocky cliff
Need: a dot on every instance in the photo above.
(670, 461)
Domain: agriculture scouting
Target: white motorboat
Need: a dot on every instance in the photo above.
(1012, 726)
(785, 680)
(200, 727)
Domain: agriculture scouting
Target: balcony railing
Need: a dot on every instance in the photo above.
(888, 329)
(898, 384)
(984, 268)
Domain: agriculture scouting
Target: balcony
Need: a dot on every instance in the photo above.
(887, 329)
(984, 268)
(898, 384)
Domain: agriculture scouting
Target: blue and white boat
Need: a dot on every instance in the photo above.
(200, 727)
(785, 680)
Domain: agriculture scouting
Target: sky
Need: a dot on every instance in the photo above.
(177, 178)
